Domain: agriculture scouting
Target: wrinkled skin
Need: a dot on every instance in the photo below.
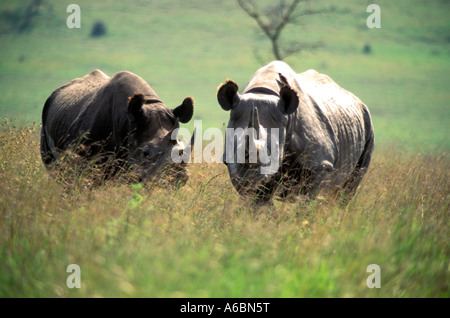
(325, 134)
(117, 119)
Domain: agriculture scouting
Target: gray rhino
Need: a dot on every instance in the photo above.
(299, 133)
(117, 119)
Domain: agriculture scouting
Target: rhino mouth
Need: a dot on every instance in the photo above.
(163, 173)
(248, 181)
(174, 175)
(168, 178)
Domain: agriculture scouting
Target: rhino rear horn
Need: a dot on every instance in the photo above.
(193, 139)
(254, 119)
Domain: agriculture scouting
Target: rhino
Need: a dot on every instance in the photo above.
(314, 135)
(118, 120)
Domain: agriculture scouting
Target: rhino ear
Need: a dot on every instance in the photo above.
(227, 94)
(135, 103)
(185, 111)
(289, 99)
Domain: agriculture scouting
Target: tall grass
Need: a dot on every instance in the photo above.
(203, 240)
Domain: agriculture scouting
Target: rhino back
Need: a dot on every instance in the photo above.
(65, 104)
(267, 79)
(332, 120)
(94, 104)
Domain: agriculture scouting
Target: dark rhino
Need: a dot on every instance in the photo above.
(118, 120)
(323, 136)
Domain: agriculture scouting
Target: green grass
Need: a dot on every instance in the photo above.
(203, 240)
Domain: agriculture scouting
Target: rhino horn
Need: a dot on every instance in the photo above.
(253, 135)
(193, 139)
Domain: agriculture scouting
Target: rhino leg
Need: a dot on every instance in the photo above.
(265, 193)
(46, 154)
(350, 186)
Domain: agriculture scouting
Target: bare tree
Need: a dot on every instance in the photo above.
(22, 19)
(273, 19)
(31, 11)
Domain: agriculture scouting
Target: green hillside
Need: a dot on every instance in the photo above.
(189, 47)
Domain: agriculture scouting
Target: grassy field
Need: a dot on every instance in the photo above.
(203, 240)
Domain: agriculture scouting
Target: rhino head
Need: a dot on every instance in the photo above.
(153, 137)
(256, 133)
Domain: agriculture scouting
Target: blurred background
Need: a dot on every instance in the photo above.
(187, 48)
